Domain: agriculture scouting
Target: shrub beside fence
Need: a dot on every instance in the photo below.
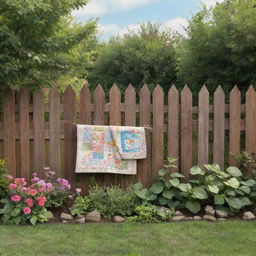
(36, 132)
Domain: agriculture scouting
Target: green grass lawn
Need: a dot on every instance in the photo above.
(183, 238)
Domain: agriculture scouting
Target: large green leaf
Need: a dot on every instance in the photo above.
(175, 182)
(185, 187)
(213, 188)
(196, 170)
(245, 189)
(162, 172)
(219, 199)
(157, 188)
(15, 212)
(177, 175)
(234, 202)
(245, 201)
(162, 200)
(233, 182)
(234, 171)
(193, 206)
(249, 183)
(168, 194)
(138, 186)
(200, 193)
(33, 220)
(143, 194)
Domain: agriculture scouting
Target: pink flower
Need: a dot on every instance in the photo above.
(41, 190)
(15, 198)
(12, 186)
(35, 180)
(27, 210)
(41, 198)
(78, 190)
(34, 174)
(40, 203)
(32, 192)
(20, 181)
(10, 177)
(29, 202)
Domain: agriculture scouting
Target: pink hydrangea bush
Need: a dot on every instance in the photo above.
(25, 203)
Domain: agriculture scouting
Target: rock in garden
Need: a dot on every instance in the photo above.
(189, 218)
(248, 216)
(178, 218)
(197, 218)
(66, 216)
(93, 216)
(209, 210)
(210, 218)
(80, 220)
(64, 221)
(178, 213)
(118, 219)
(221, 214)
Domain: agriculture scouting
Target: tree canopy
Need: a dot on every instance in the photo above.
(220, 47)
(143, 56)
(35, 38)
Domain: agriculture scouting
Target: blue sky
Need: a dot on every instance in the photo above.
(117, 16)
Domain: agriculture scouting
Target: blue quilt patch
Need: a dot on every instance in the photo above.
(129, 141)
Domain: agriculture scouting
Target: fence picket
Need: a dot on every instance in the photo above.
(24, 133)
(39, 134)
(234, 126)
(9, 131)
(144, 165)
(99, 103)
(130, 120)
(158, 131)
(173, 125)
(219, 127)
(69, 110)
(114, 119)
(54, 125)
(250, 124)
(186, 131)
(203, 127)
(85, 118)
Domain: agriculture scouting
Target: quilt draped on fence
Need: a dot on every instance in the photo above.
(109, 149)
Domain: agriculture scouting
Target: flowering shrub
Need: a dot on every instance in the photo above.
(25, 203)
(4, 181)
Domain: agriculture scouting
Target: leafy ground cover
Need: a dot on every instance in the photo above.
(130, 239)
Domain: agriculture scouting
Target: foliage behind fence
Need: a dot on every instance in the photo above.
(36, 132)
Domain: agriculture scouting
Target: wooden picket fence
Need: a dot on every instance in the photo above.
(35, 133)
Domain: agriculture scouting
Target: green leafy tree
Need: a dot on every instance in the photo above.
(143, 56)
(36, 40)
(220, 47)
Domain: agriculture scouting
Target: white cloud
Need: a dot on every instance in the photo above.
(210, 3)
(177, 24)
(98, 7)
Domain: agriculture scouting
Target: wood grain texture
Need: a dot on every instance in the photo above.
(186, 131)
(158, 132)
(85, 118)
(219, 127)
(99, 119)
(130, 120)
(114, 119)
(250, 123)
(9, 131)
(235, 126)
(173, 125)
(54, 126)
(39, 133)
(70, 140)
(24, 133)
(203, 127)
(144, 165)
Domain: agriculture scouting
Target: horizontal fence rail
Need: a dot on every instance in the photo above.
(38, 130)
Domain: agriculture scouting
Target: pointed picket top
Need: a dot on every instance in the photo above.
(219, 92)
(204, 91)
(114, 91)
(144, 90)
(250, 91)
(85, 90)
(186, 92)
(158, 90)
(99, 92)
(69, 92)
(235, 92)
(173, 90)
(130, 89)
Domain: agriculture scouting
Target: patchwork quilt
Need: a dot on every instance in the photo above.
(109, 149)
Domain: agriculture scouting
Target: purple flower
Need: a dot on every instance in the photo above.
(41, 182)
(35, 180)
(34, 174)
